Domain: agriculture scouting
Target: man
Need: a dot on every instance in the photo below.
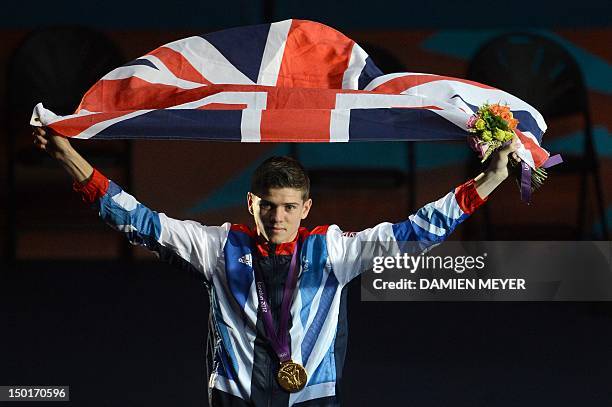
(278, 319)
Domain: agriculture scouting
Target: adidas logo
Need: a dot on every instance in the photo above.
(246, 259)
(305, 265)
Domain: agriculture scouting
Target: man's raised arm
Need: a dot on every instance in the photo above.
(186, 243)
(431, 224)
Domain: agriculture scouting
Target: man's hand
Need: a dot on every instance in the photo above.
(497, 171)
(59, 148)
(499, 160)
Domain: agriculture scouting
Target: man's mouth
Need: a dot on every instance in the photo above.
(276, 228)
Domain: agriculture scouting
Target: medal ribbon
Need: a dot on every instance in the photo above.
(278, 340)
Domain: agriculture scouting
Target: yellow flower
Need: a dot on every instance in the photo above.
(499, 135)
(480, 124)
(486, 136)
(509, 135)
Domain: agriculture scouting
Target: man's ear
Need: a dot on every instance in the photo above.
(306, 208)
(250, 202)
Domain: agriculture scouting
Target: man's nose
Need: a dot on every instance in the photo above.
(276, 213)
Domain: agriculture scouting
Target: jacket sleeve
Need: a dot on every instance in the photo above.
(351, 253)
(186, 243)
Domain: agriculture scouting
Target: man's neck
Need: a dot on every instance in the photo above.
(265, 240)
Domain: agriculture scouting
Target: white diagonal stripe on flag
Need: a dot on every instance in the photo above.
(273, 53)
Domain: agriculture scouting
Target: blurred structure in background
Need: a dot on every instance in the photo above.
(56, 66)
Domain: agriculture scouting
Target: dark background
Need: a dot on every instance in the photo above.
(78, 307)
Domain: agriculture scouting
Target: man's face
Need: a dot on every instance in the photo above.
(278, 213)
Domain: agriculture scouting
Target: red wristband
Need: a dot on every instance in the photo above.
(93, 188)
(467, 197)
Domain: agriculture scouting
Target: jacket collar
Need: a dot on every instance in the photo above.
(265, 248)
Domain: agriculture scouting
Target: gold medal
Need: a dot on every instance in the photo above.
(292, 376)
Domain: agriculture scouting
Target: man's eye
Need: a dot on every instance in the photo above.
(290, 207)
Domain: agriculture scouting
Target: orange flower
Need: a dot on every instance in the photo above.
(499, 109)
(513, 123)
(507, 116)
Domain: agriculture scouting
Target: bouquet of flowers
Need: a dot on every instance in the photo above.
(493, 127)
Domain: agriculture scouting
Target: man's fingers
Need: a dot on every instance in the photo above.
(512, 146)
(39, 131)
(42, 140)
(39, 145)
(508, 148)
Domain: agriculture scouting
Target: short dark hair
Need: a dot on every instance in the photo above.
(280, 172)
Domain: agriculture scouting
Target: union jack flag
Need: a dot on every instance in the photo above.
(289, 81)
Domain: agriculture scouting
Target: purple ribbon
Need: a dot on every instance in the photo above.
(526, 175)
(553, 160)
(525, 182)
(278, 340)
